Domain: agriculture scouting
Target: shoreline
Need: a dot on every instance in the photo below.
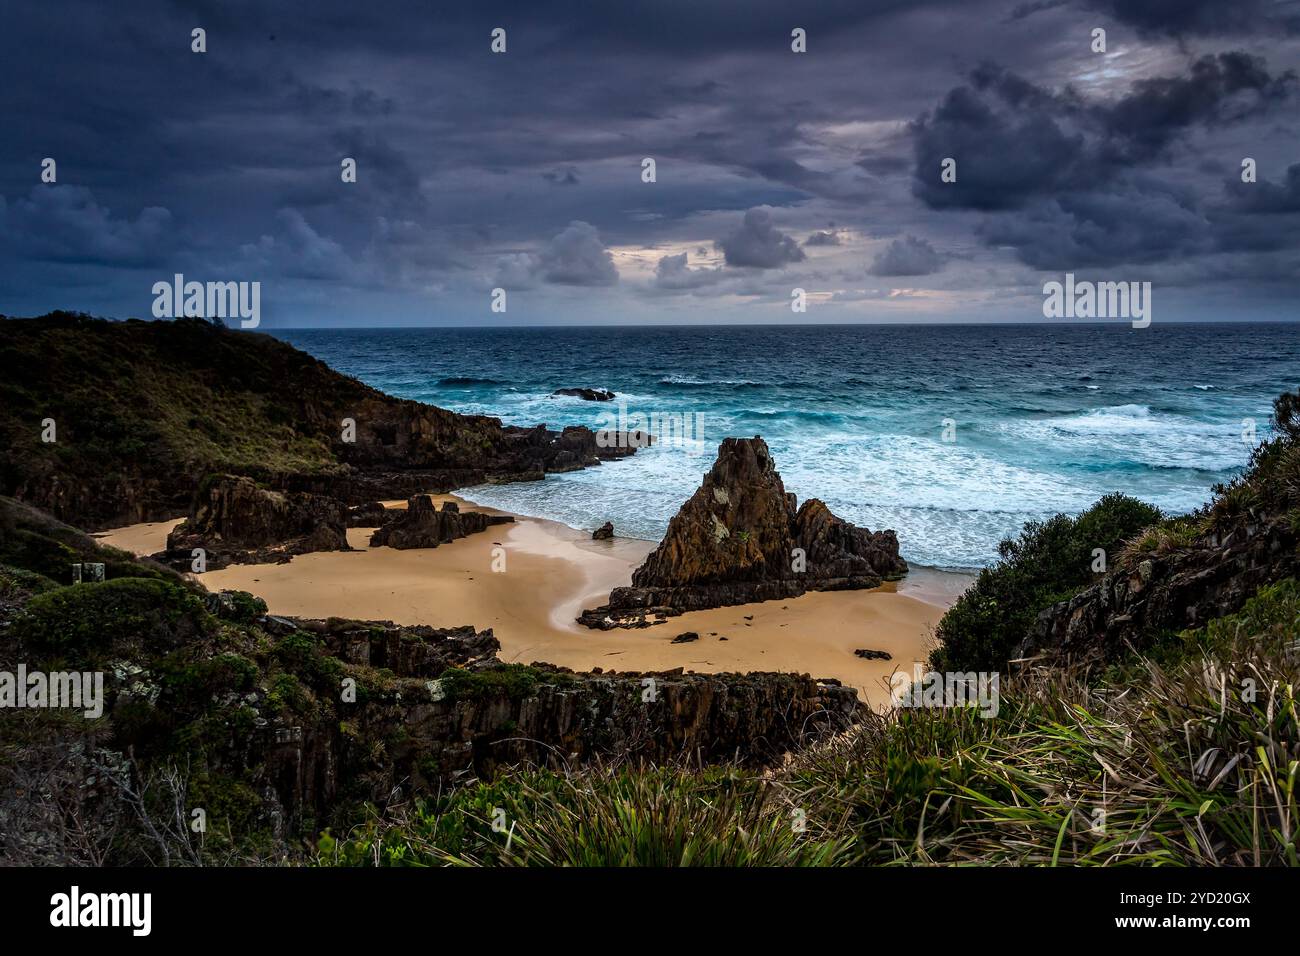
(933, 585)
(547, 572)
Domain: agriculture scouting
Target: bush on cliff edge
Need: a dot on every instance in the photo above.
(1049, 562)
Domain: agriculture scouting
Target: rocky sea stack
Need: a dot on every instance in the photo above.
(740, 538)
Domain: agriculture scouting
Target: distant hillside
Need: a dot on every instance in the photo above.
(143, 410)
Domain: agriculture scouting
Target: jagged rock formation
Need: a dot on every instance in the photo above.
(236, 522)
(604, 532)
(465, 713)
(1209, 578)
(175, 401)
(422, 526)
(739, 539)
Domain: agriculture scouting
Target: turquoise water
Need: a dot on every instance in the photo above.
(1044, 418)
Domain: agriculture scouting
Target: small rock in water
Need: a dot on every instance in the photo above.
(686, 637)
(587, 394)
(604, 531)
(874, 655)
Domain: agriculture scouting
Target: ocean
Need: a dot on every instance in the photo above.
(954, 436)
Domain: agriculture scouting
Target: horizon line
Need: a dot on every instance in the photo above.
(1118, 323)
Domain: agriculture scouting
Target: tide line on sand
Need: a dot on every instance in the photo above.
(552, 571)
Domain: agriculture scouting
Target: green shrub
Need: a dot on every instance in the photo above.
(515, 681)
(97, 616)
(303, 655)
(242, 607)
(1051, 561)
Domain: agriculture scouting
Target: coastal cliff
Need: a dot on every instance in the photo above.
(109, 423)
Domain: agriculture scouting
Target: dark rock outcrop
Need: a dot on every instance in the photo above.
(422, 526)
(1184, 588)
(372, 514)
(870, 655)
(587, 394)
(468, 715)
(236, 522)
(604, 532)
(740, 539)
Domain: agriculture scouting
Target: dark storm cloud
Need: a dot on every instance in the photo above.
(567, 177)
(1260, 216)
(56, 223)
(1266, 197)
(1133, 222)
(673, 274)
(1200, 17)
(1073, 181)
(1228, 88)
(525, 169)
(575, 257)
(1014, 141)
(757, 243)
(908, 256)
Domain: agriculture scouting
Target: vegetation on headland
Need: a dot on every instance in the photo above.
(1049, 562)
(185, 394)
(114, 421)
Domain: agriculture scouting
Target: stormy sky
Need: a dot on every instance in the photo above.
(775, 170)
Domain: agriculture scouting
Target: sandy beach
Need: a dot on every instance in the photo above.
(548, 572)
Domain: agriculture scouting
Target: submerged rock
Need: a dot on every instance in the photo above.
(740, 538)
(587, 394)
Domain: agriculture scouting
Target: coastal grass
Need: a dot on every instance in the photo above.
(602, 816)
(1187, 756)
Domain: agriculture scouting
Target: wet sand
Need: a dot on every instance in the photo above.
(547, 572)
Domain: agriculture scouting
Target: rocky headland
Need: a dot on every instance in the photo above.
(112, 423)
